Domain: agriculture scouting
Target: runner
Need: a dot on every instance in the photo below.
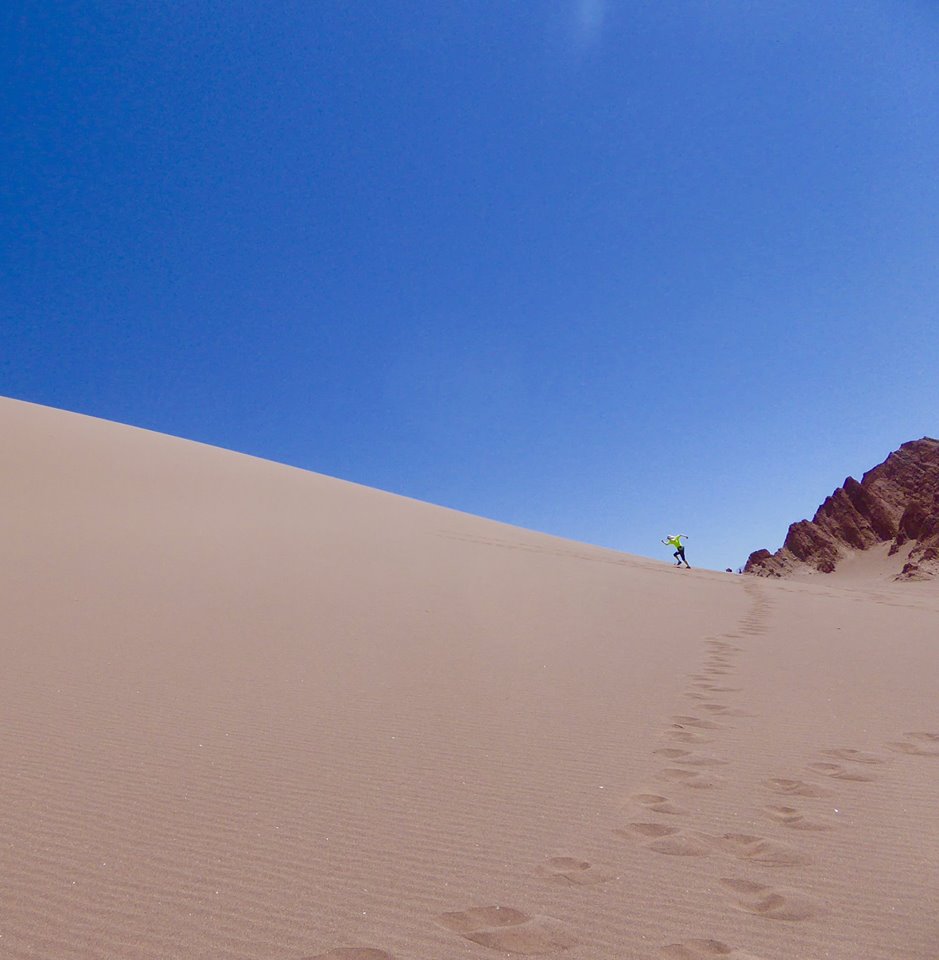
(674, 540)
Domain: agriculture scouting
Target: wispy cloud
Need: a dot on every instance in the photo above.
(588, 21)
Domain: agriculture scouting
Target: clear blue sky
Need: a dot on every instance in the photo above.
(604, 269)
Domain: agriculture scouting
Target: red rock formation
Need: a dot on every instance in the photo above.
(898, 501)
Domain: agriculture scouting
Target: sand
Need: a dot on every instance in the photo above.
(252, 712)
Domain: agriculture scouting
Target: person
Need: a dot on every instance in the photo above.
(674, 540)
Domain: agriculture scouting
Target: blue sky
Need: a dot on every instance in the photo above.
(604, 269)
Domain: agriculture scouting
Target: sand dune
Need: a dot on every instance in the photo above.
(252, 712)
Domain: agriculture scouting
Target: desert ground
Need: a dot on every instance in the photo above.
(249, 712)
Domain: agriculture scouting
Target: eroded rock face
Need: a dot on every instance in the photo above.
(897, 501)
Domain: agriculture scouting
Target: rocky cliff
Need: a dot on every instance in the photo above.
(896, 501)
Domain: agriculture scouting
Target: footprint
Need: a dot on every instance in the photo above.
(657, 803)
(703, 950)
(687, 756)
(509, 930)
(668, 840)
(917, 744)
(646, 831)
(692, 759)
(797, 788)
(688, 778)
(353, 953)
(770, 853)
(682, 845)
(685, 721)
(687, 736)
(773, 903)
(579, 873)
(794, 819)
(853, 756)
(721, 709)
(838, 772)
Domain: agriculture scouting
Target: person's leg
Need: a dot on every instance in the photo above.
(677, 556)
(681, 550)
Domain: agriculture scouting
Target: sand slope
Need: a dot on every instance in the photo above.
(252, 712)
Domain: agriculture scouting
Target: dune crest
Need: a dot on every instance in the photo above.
(252, 712)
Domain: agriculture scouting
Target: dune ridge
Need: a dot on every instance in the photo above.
(253, 712)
